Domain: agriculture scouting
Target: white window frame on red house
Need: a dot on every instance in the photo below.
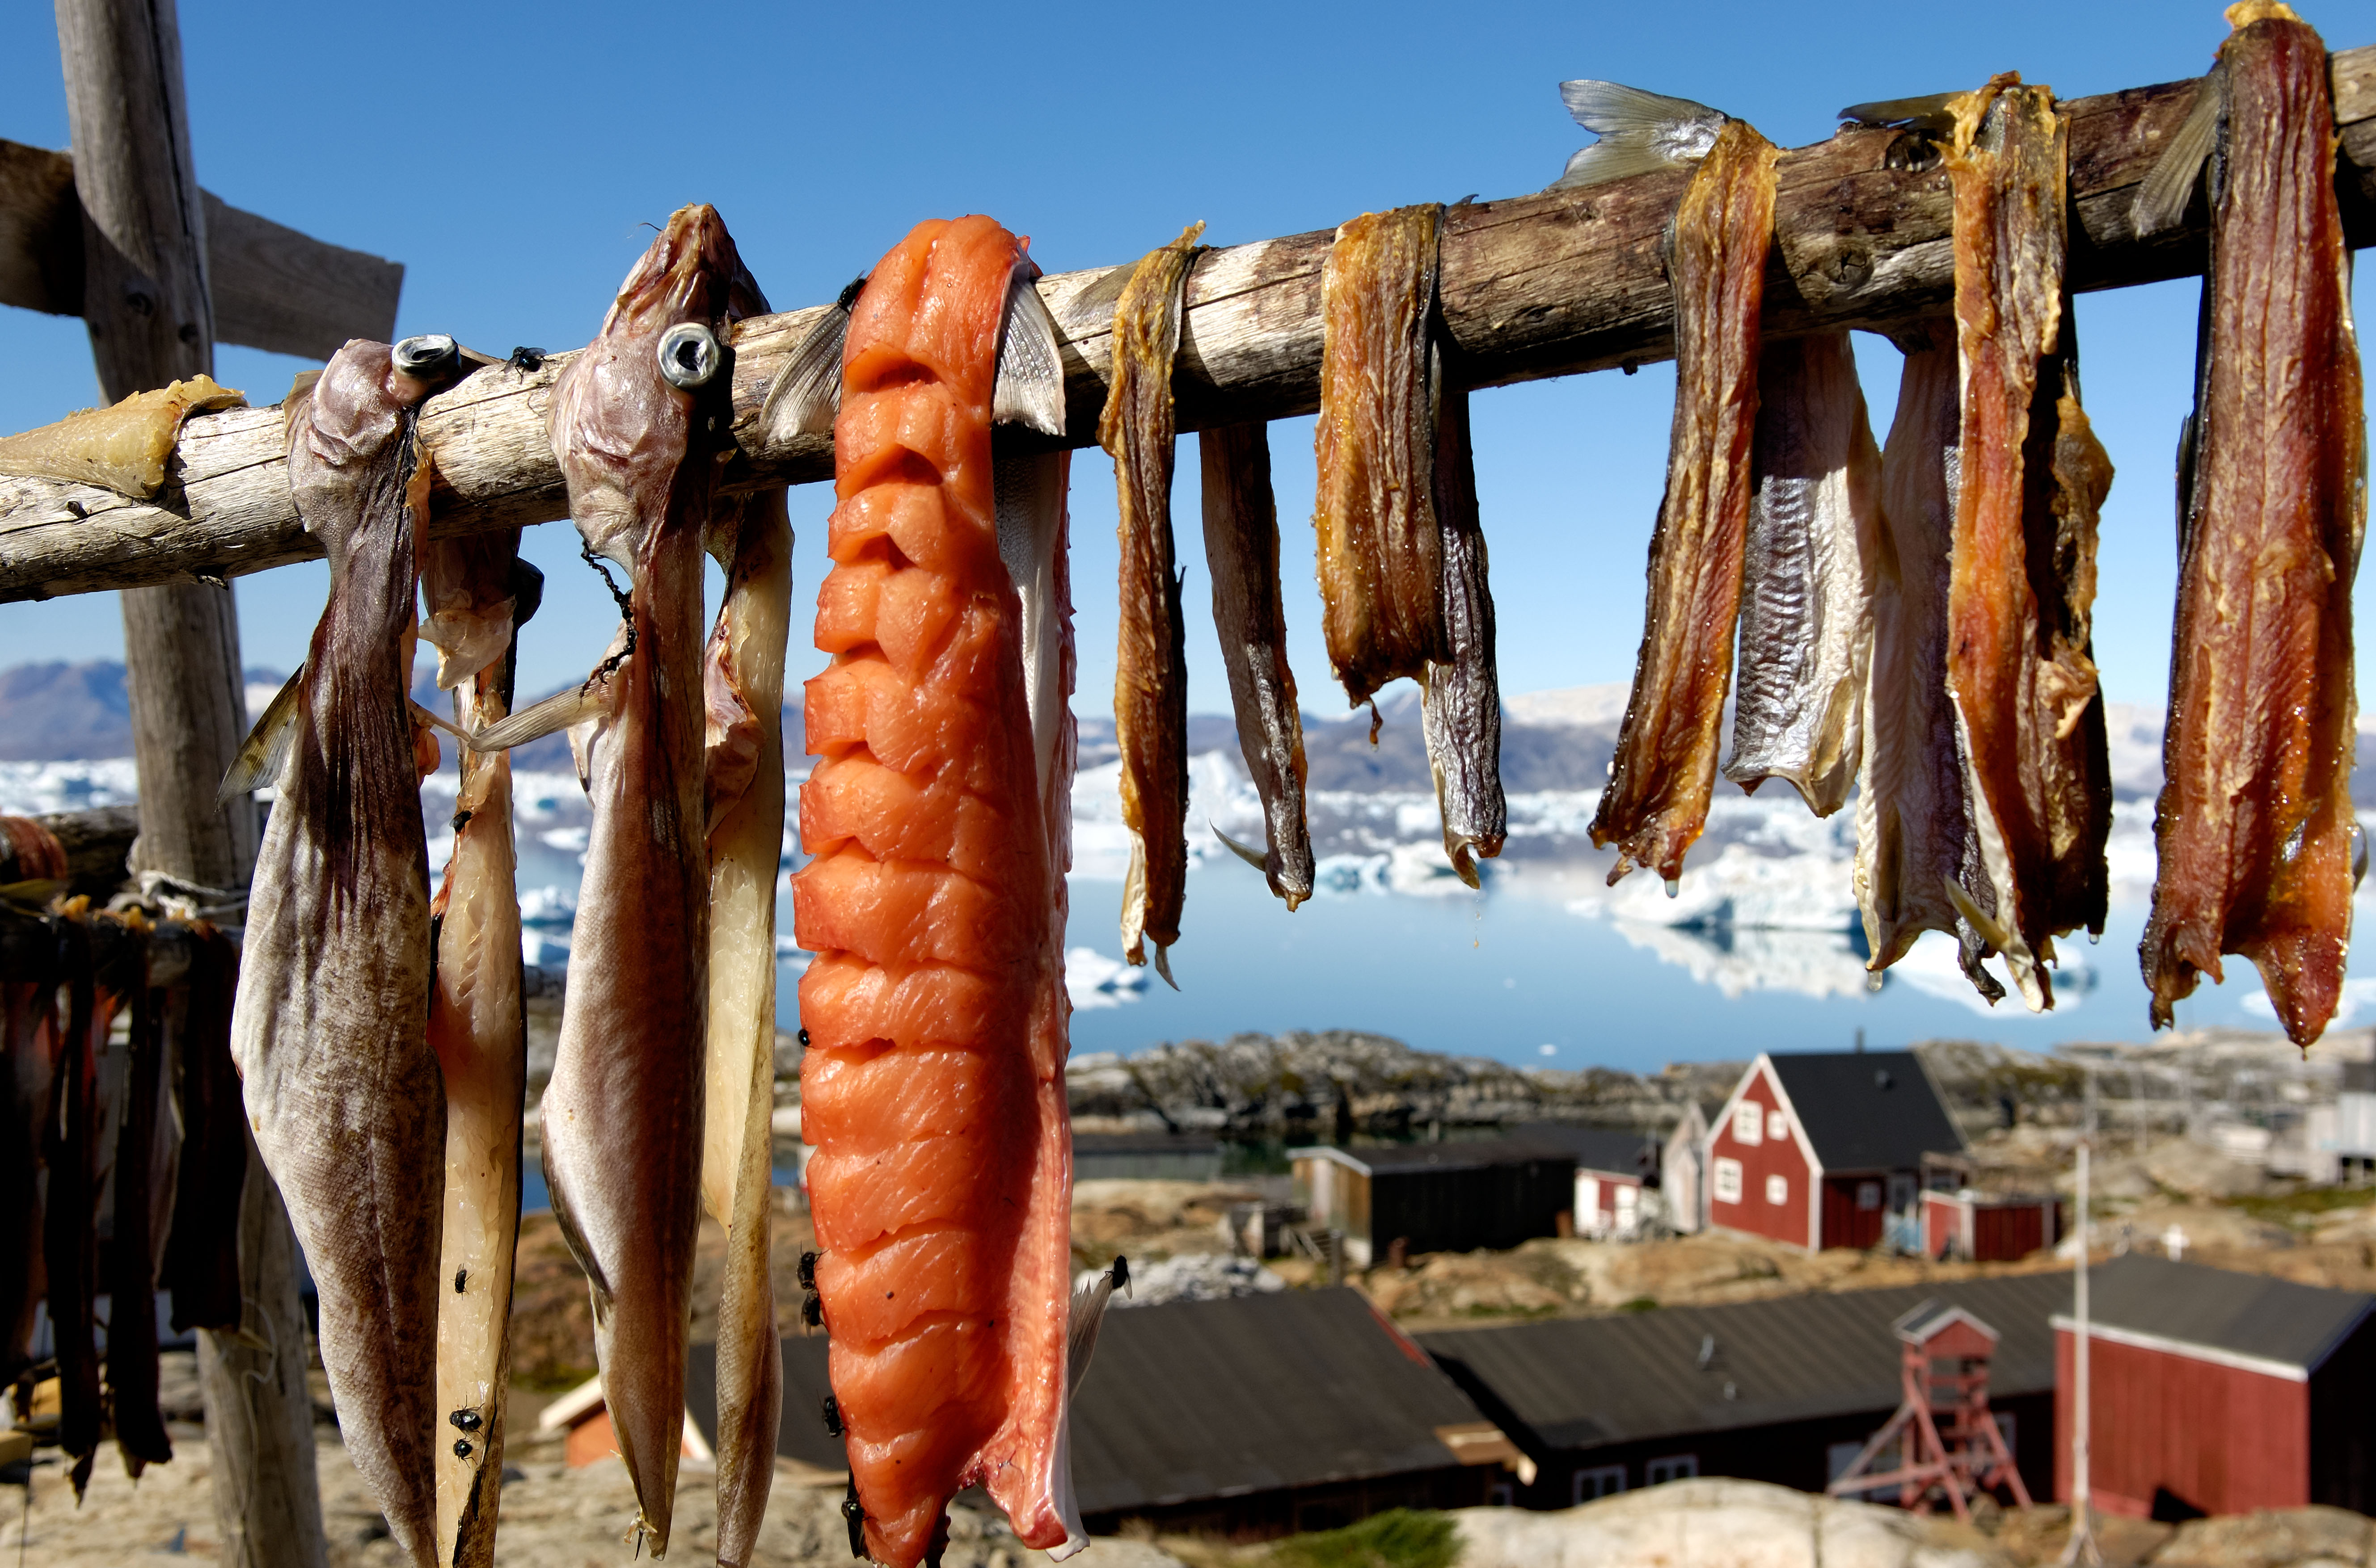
(1777, 1126)
(1724, 1181)
(1749, 1123)
(1778, 1190)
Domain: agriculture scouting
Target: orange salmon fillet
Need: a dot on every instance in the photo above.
(932, 1090)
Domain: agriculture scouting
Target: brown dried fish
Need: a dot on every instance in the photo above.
(1241, 552)
(2033, 477)
(143, 1180)
(1460, 701)
(2255, 823)
(1151, 660)
(1657, 800)
(123, 447)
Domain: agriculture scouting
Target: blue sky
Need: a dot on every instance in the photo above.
(511, 155)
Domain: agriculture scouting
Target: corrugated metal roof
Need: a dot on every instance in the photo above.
(1202, 1399)
(1460, 1154)
(1610, 1149)
(1867, 1110)
(800, 1433)
(2246, 1314)
(1579, 1383)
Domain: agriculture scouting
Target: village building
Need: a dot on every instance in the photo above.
(1828, 1150)
(1787, 1391)
(1683, 1167)
(1616, 1172)
(2214, 1392)
(1397, 1200)
(1975, 1226)
(1248, 1418)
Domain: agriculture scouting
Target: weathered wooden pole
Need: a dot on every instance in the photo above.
(146, 303)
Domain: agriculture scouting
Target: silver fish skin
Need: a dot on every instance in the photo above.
(639, 423)
(330, 1025)
(1914, 825)
(1807, 589)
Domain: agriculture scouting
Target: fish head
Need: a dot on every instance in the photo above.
(654, 390)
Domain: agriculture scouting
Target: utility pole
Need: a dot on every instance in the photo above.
(2082, 1549)
(147, 303)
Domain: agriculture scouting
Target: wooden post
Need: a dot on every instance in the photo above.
(146, 303)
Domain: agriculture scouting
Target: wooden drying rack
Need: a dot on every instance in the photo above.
(1543, 285)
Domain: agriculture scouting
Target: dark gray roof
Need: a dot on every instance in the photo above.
(1579, 1383)
(1199, 1399)
(2246, 1315)
(1459, 1154)
(1867, 1110)
(800, 1433)
(1611, 1149)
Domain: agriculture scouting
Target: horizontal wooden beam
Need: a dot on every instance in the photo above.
(1551, 284)
(274, 288)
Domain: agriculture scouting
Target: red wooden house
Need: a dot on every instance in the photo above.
(1828, 1149)
(1989, 1226)
(2219, 1393)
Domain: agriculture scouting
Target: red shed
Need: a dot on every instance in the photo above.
(2220, 1392)
(1826, 1149)
(1987, 1227)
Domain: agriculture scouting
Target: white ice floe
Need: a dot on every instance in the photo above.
(550, 908)
(38, 788)
(1092, 979)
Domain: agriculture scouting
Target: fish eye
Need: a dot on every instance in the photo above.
(690, 355)
(427, 356)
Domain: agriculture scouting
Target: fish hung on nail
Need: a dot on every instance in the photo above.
(1401, 555)
(2258, 846)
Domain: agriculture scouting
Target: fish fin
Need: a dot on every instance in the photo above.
(33, 895)
(1252, 857)
(806, 394)
(1930, 111)
(258, 761)
(1619, 156)
(573, 706)
(1163, 964)
(429, 716)
(1102, 295)
(1030, 489)
(1614, 109)
(1994, 934)
(2169, 186)
(1030, 389)
(1133, 904)
(1088, 1310)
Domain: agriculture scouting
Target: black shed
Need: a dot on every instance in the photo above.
(1448, 1197)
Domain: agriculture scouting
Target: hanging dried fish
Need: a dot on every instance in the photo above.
(2032, 479)
(640, 424)
(478, 593)
(1914, 827)
(28, 1058)
(1808, 575)
(1241, 552)
(331, 1024)
(743, 673)
(1657, 800)
(2258, 846)
(144, 1188)
(201, 1267)
(1151, 658)
(1402, 563)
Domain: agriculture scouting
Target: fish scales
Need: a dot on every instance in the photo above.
(1659, 784)
(1808, 575)
(743, 672)
(2254, 826)
(478, 1032)
(2029, 717)
(933, 1088)
(1241, 552)
(639, 422)
(331, 1027)
(1151, 657)
(1914, 830)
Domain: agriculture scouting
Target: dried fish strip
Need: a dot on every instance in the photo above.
(2033, 477)
(1914, 828)
(2255, 823)
(331, 1024)
(143, 1179)
(478, 593)
(743, 673)
(201, 1270)
(1401, 555)
(1151, 658)
(123, 447)
(1807, 579)
(1241, 552)
(1657, 800)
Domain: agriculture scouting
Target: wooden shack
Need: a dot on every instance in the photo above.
(1615, 1167)
(2220, 1392)
(1683, 1167)
(1975, 1226)
(1787, 1391)
(1447, 1197)
(1249, 1418)
(1828, 1149)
